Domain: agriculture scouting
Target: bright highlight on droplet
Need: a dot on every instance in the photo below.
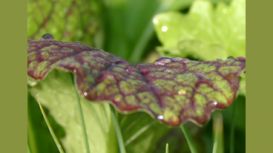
(160, 117)
(85, 93)
(214, 103)
(155, 20)
(164, 28)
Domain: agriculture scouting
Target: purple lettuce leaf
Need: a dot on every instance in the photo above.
(173, 90)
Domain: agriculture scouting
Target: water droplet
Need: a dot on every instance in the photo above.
(85, 93)
(163, 61)
(160, 117)
(128, 70)
(155, 20)
(181, 92)
(47, 36)
(214, 103)
(164, 28)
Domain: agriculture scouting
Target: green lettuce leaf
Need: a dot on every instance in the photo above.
(206, 32)
(57, 93)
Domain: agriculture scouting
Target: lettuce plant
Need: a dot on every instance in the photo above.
(73, 84)
(172, 90)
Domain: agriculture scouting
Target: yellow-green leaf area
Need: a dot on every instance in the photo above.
(206, 32)
(205, 68)
(228, 69)
(131, 100)
(146, 97)
(126, 87)
(200, 101)
(187, 78)
(164, 85)
(170, 115)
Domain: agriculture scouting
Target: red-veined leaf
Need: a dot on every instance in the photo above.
(173, 90)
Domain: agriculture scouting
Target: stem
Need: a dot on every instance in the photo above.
(218, 146)
(28, 149)
(85, 136)
(32, 146)
(141, 44)
(55, 139)
(83, 123)
(138, 133)
(189, 139)
(232, 127)
(118, 133)
(167, 148)
(149, 30)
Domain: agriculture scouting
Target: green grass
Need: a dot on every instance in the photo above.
(58, 144)
(189, 139)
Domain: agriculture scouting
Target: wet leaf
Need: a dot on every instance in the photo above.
(206, 32)
(173, 90)
(65, 19)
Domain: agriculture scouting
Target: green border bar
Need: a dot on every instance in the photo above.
(13, 99)
(259, 120)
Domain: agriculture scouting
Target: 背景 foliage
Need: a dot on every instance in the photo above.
(102, 24)
(173, 90)
(206, 32)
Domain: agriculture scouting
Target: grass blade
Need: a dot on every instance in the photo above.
(118, 133)
(32, 146)
(28, 149)
(138, 133)
(85, 136)
(55, 139)
(218, 146)
(149, 29)
(232, 128)
(167, 148)
(189, 139)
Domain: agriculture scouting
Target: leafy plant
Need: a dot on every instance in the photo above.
(58, 111)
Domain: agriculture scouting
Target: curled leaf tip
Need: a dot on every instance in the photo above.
(172, 90)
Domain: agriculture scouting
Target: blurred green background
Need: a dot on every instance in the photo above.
(138, 31)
